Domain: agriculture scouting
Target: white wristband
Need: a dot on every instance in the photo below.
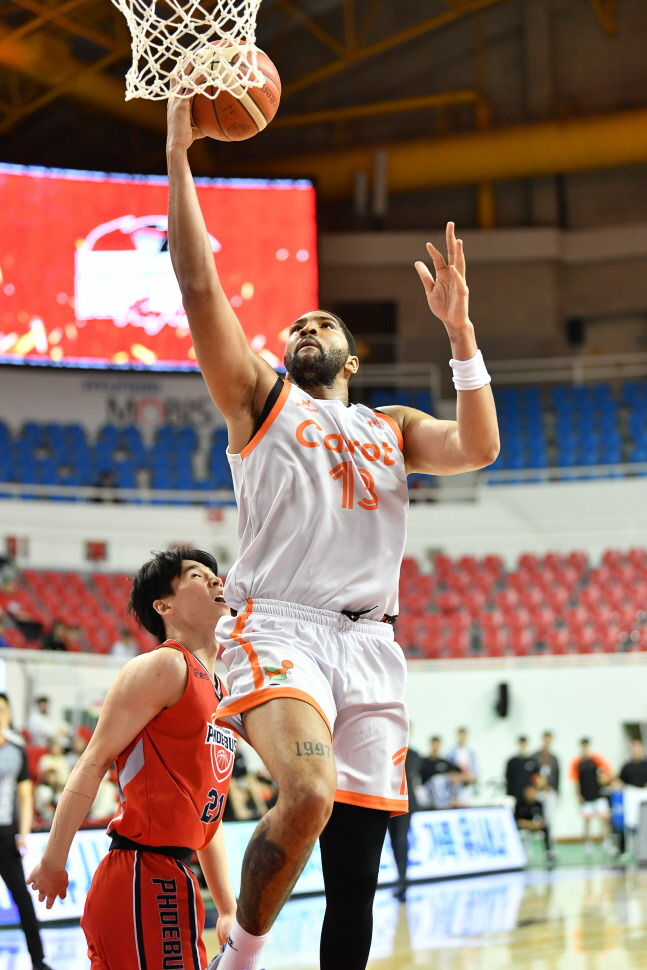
(469, 375)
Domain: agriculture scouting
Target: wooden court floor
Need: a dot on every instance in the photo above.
(572, 917)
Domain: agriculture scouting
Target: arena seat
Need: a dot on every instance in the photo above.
(551, 602)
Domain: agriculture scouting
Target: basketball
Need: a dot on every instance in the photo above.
(227, 118)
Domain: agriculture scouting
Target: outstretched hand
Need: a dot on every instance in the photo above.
(447, 294)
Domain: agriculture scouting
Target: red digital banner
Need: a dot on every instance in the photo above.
(86, 277)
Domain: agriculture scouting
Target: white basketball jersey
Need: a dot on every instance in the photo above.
(322, 498)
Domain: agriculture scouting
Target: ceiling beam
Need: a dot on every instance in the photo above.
(46, 15)
(606, 12)
(348, 57)
(311, 26)
(493, 154)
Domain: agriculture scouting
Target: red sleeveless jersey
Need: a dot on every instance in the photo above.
(174, 776)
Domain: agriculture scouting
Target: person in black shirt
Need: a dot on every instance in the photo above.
(438, 779)
(633, 778)
(519, 770)
(549, 769)
(56, 638)
(634, 771)
(592, 774)
(529, 814)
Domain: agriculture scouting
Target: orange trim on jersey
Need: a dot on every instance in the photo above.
(400, 758)
(395, 427)
(269, 420)
(597, 759)
(396, 806)
(247, 647)
(258, 697)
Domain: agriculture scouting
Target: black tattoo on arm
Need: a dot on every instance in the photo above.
(307, 749)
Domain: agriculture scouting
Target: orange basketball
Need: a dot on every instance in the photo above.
(227, 118)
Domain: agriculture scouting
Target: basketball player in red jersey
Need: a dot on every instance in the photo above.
(174, 762)
(322, 494)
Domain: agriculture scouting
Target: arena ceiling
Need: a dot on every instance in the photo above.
(357, 75)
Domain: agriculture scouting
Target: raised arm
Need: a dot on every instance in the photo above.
(142, 689)
(238, 380)
(439, 447)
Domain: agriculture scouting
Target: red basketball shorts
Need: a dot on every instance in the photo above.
(144, 911)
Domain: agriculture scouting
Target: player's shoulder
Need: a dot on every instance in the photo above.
(162, 660)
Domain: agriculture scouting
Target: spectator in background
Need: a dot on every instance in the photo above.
(250, 791)
(591, 773)
(75, 642)
(529, 815)
(465, 758)
(439, 778)
(78, 745)
(106, 488)
(54, 760)
(633, 780)
(519, 770)
(46, 794)
(16, 786)
(634, 771)
(548, 782)
(125, 645)
(43, 726)
(56, 639)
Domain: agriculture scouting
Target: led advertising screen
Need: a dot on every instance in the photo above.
(86, 277)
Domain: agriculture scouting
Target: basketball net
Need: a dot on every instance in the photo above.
(172, 41)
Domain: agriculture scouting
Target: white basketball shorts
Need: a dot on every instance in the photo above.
(353, 674)
(599, 807)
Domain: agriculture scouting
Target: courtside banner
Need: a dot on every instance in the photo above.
(443, 844)
(455, 842)
(462, 842)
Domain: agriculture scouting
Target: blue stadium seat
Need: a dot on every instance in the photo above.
(131, 439)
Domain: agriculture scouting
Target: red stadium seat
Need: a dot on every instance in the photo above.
(455, 646)
(521, 642)
(558, 640)
(584, 639)
(494, 642)
(33, 753)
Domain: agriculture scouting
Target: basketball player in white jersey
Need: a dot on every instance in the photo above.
(322, 493)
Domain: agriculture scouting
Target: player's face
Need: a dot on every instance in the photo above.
(316, 350)
(197, 595)
(5, 714)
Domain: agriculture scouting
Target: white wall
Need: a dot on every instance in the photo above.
(573, 696)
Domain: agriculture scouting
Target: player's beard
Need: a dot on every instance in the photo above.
(315, 370)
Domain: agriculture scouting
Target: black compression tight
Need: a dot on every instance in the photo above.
(351, 846)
